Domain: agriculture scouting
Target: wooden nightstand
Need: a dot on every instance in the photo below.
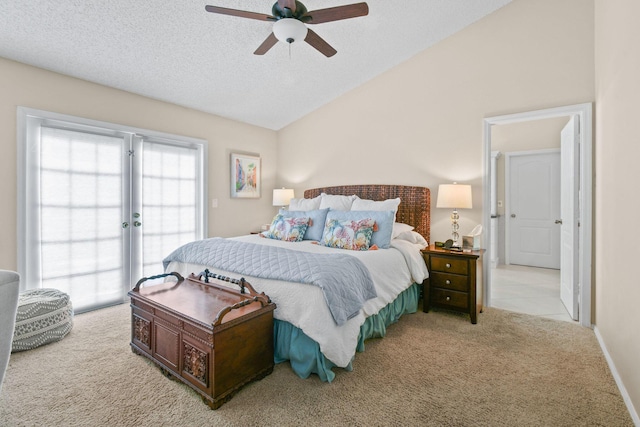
(455, 281)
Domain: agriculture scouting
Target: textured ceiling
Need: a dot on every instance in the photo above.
(177, 52)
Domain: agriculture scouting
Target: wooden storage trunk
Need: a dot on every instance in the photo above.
(211, 337)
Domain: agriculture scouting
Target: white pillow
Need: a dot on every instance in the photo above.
(370, 205)
(399, 228)
(305, 204)
(413, 237)
(338, 203)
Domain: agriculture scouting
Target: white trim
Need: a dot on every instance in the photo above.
(108, 127)
(507, 209)
(616, 376)
(531, 152)
(493, 208)
(21, 224)
(585, 112)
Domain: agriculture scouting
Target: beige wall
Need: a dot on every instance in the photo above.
(421, 122)
(22, 85)
(617, 60)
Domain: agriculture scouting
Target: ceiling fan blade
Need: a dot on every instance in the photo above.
(289, 4)
(336, 13)
(239, 13)
(319, 44)
(267, 44)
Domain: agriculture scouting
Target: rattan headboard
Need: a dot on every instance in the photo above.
(415, 202)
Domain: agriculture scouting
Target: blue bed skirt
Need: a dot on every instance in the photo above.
(304, 354)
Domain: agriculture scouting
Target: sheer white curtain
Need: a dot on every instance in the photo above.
(101, 206)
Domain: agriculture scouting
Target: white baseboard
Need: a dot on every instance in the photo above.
(616, 377)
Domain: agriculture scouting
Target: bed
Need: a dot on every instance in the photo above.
(311, 330)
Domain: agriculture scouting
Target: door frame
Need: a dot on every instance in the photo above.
(585, 112)
(507, 193)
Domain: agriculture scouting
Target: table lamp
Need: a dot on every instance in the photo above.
(454, 196)
(282, 196)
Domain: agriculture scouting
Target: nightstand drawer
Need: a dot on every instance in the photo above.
(445, 297)
(450, 281)
(449, 265)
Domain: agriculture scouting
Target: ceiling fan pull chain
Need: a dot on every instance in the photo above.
(290, 51)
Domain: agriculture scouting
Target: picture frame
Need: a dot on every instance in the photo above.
(245, 176)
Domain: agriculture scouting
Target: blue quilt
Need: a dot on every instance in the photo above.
(345, 281)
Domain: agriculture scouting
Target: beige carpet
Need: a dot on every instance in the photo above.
(431, 369)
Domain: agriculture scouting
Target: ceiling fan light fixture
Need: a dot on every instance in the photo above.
(289, 30)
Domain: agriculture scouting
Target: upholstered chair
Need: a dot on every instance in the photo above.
(9, 290)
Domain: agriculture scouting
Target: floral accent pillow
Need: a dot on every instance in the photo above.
(287, 229)
(381, 231)
(348, 234)
(316, 221)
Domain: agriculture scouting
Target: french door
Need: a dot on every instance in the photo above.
(101, 205)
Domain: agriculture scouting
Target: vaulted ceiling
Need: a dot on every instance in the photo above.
(177, 52)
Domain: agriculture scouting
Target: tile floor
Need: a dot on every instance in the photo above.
(528, 290)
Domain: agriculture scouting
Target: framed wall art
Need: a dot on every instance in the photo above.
(245, 176)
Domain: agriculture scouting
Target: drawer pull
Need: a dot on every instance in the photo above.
(447, 265)
(448, 298)
(448, 282)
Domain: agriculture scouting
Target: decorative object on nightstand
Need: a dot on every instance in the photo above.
(454, 282)
(282, 196)
(472, 240)
(454, 196)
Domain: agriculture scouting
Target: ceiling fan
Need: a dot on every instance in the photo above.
(290, 17)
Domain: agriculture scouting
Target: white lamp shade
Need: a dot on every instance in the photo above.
(455, 196)
(289, 30)
(282, 196)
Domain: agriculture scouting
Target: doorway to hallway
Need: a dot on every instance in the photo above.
(580, 170)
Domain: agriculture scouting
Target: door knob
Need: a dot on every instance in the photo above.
(558, 221)
(137, 223)
(125, 224)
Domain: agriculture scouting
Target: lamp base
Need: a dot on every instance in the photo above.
(454, 227)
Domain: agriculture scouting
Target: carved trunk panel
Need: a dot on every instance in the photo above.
(141, 330)
(195, 363)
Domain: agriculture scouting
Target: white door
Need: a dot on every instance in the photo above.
(533, 207)
(569, 289)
